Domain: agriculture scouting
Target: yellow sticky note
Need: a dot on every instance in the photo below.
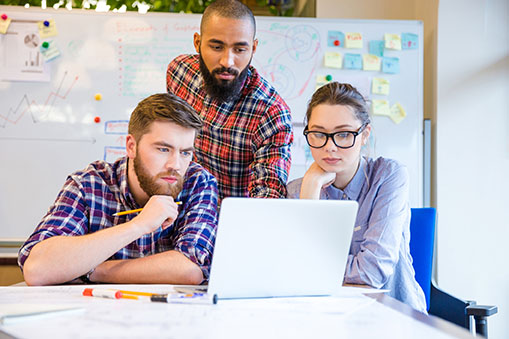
(320, 81)
(397, 113)
(353, 40)
(333, 60)
(4, 25)
(380, 107)
(392, 41)
(46, 31)
(380, 86)
(371, 62)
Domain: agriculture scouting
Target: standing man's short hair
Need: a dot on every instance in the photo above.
(232, 9)
(162, 107)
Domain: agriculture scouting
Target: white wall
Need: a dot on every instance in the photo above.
(472, 154)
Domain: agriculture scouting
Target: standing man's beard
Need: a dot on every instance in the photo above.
(149, 185)
(223, 90)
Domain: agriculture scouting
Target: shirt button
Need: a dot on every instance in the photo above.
(344, 196)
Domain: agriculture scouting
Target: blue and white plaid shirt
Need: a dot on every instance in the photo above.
(90, 197)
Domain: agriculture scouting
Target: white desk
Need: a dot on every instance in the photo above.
(349, 315)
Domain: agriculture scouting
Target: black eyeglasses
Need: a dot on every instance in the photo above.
(343, 139)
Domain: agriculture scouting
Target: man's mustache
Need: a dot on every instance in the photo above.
(228, 70)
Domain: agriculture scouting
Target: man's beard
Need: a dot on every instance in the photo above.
(149, 185)
(223, 90)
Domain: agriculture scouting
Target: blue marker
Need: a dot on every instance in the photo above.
(189, 298)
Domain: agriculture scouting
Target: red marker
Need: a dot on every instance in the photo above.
(97, 120)
(94, 292)
(4, 16)
(336, 43)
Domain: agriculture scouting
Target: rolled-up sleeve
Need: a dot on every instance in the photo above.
(272, 159)
(197, 227)
(376, 244)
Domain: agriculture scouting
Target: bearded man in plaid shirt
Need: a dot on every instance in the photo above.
(247, 133)
(83, 238)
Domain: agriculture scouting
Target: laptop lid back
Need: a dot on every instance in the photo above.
(281, 247)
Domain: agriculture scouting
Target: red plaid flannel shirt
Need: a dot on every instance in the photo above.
(245, 144)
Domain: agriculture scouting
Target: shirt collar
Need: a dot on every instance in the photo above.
(354, 187)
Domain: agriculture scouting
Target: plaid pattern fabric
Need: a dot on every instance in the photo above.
(245, 144)
(90, 197)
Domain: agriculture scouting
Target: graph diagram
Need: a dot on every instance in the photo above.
(31, 109)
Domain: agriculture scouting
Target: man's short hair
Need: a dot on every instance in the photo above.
(162, 107)
(232, 9)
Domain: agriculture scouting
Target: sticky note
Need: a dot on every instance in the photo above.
(51, 52)
(371, 62)
(333, 60)
(380, 107)
(390, 65)
(320, 81)
(335, 39)
(376, 47)
(380, 86)
(47, 31)
(353, 61)
(4, 25)
(397, 113)
(392, 41)
(353, 40)
(409, 41)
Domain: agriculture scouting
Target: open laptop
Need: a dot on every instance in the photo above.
(281, 247)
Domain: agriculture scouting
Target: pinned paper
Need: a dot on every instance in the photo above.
(353, 61)
(50, 52)
(397, 113)
(390, 65)
(392, 41)
(376, 47)
(333, 60)
(320, 81)
(353, 40)
(409, 41)
(335, 39)
(380, 107)
(371, 62)
(380, 86)
(4, 25)
(47, 28)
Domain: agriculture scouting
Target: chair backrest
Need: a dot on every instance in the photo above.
(422, 243)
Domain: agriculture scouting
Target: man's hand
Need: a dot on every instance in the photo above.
(160, 210)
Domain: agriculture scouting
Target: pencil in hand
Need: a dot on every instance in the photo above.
(136, 210)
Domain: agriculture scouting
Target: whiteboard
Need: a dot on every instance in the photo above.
(49, 129)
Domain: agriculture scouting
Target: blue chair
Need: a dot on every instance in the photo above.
(440, 303)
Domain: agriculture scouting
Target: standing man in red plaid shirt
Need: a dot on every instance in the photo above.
(247, 133)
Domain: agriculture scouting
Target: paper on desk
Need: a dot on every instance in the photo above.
(12, 313)
(317, 305)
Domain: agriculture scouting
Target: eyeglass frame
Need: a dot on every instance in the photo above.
(331, 136)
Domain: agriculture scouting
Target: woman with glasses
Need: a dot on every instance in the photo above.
(338, 126)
